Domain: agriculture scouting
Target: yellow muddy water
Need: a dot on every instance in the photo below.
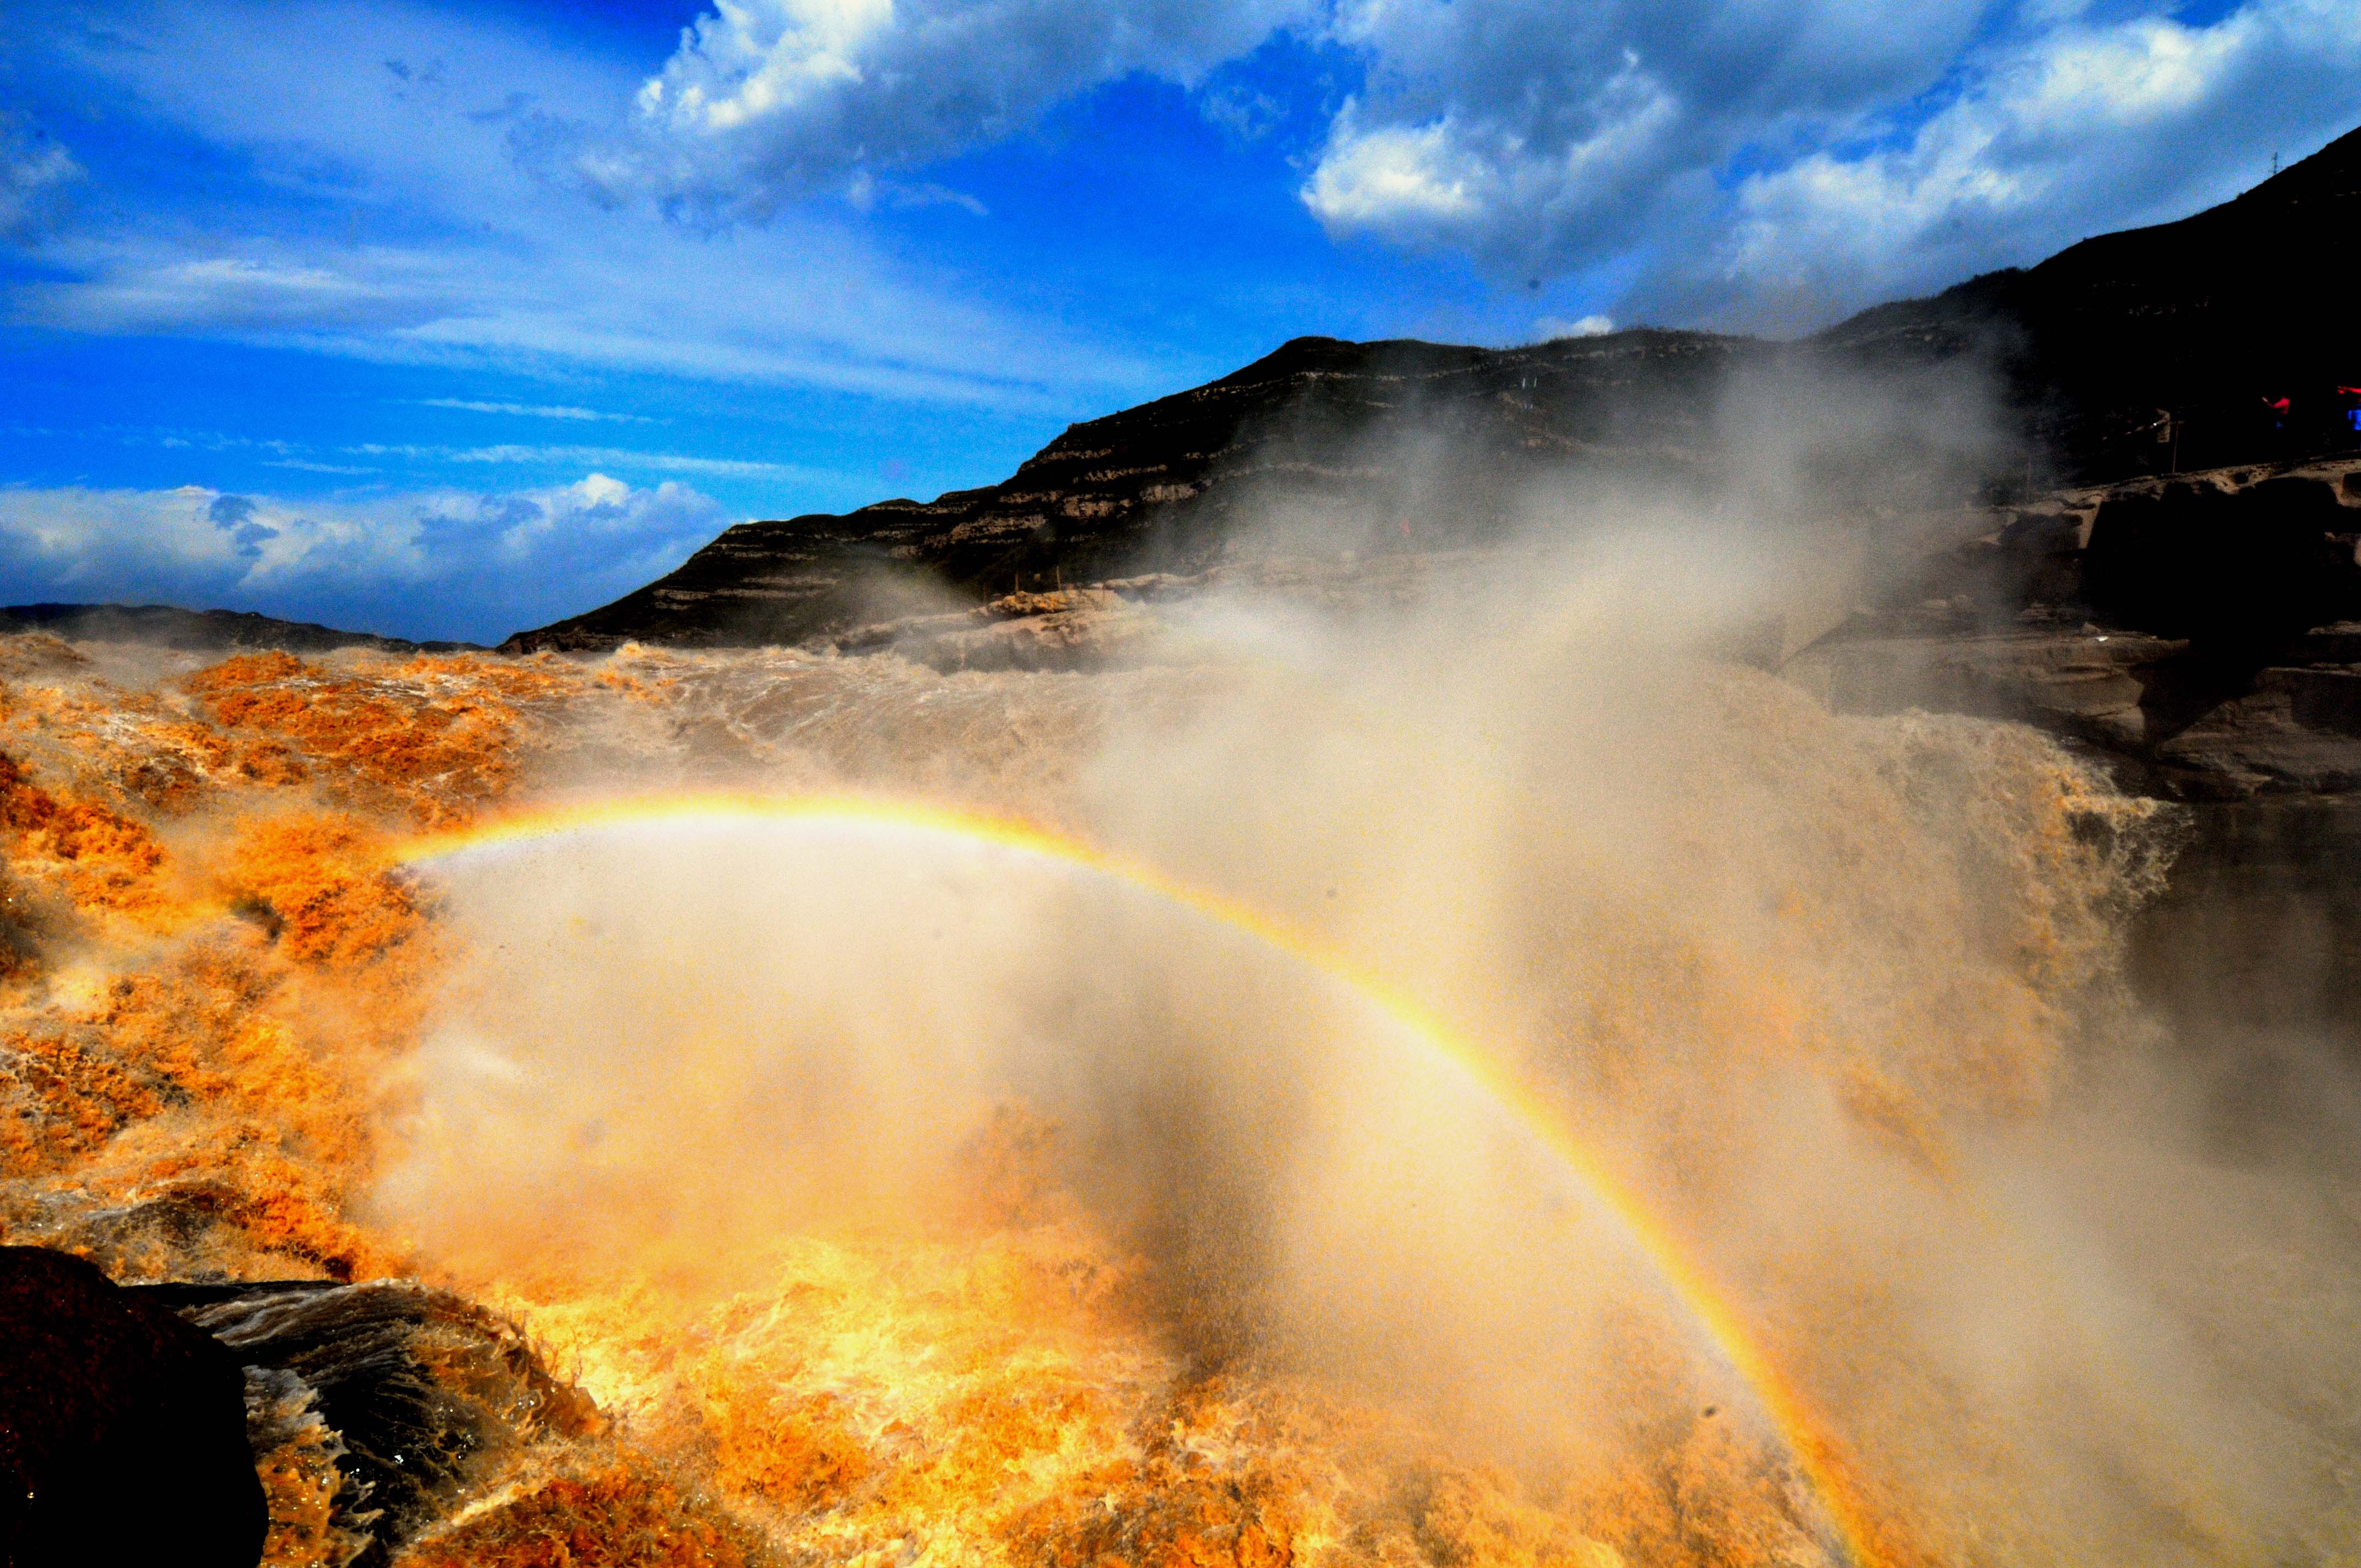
(904, 1194)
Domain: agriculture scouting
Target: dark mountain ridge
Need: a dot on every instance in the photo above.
(200, 631)
(2167, 346)
(1163, 486)
(2207, 321)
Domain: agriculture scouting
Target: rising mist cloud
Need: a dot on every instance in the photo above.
(1838, 999)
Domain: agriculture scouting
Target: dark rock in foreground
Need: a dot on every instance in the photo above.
(123, 1432)
(413, 1397)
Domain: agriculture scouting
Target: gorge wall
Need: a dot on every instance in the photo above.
(2227, 338)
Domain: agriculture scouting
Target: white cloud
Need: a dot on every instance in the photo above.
(1470, 179)
(1551, 328)
(1532, 132)
(1760, 164)
(611, 456)
(33, 168)
(1724, 162)
(1394, 174)
(428, 564)
(140, 289)
(2082, 129)
(767, 100)
(1241, 113)
(1543, 136)
(446, 248)
(533, 410)
(306, 465)
(866, 190)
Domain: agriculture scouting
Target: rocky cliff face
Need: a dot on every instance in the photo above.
(1319, 432)
(2157, 349)
(2220, 339)
(1321, 447)
(2202, 634)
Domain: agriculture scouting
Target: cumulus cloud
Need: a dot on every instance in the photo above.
(1716, 159)
(767, 100)
(1537, 135)
(1722, 162)
(1775, 165)
(1527, 130)
(429, 564)
(2094, 126)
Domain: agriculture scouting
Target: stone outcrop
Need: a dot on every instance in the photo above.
(139, 1424)
(1066, 628)
(1118, 621)
(389, 1404)
(122, 1428)
(2202, 635)
(2202, 630)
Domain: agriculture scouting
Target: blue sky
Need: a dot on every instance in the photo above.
(449, 319)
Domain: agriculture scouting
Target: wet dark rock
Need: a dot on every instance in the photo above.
(423, 1392)
(2201, 636)
(2256, 563)
(2201, 633)
(122, 1428)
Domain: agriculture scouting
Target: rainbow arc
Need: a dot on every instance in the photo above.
(1816, 1451)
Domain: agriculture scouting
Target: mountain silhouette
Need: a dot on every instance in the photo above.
(2222, 338)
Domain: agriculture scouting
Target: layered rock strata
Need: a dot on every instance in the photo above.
(2219, 340)
(2202, 634)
